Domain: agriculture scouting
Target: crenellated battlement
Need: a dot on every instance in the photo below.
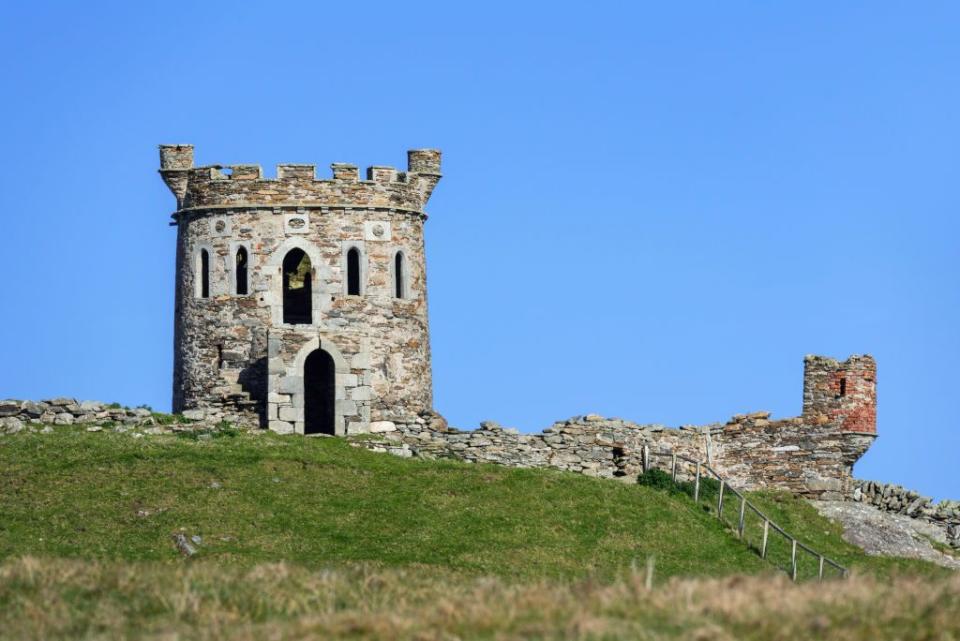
(298, 184)
(341, 172)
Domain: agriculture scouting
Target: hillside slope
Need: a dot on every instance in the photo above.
(315, 539)
(255, 498)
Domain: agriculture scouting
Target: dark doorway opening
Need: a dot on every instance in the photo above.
(319, 391)
(297, 288)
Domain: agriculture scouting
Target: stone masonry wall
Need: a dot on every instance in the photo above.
(811, 455)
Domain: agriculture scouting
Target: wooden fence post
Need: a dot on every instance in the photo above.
(696, 485)
(793, 560)
(766, 532)
(720, 502)
(821, 568)
(646, 459)
(743, 505)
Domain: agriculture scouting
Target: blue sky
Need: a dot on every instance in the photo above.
(649, 211)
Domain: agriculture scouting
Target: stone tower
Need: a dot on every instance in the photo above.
(842, 393)
(301, 303)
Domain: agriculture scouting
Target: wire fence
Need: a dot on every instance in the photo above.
(751, 525)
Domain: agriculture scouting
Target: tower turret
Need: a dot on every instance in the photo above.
(175, 161)
(844, 393)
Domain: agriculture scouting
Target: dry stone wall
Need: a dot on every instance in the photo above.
(898, 500)
(18, 415)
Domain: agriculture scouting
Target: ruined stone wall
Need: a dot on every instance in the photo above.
(795, 454)
(235, 351)
(808, 455)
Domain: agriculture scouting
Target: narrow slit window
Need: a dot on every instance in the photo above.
(204, 274)
(241, 272)
(843, 387)
(353, 272)
(398, 276)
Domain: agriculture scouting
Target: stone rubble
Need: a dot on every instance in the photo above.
(183, 544)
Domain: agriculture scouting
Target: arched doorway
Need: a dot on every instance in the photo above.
(297, 288)
(319, 385)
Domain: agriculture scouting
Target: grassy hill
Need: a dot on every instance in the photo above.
(87, 523)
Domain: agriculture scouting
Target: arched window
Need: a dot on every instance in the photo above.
(398, 289)
(353, 272)
(297, 289)
(204, 274)
(241, 271)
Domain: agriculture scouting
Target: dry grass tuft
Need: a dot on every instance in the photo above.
(50, 599)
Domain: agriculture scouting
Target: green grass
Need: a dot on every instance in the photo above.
(799, 519)
(320, 502)
(312, 538)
